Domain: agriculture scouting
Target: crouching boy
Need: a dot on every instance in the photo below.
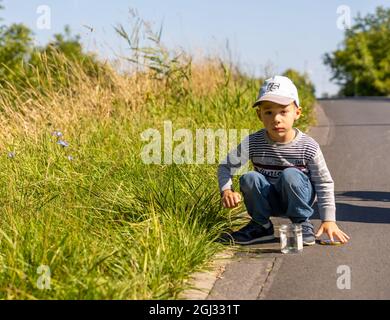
(289, 171)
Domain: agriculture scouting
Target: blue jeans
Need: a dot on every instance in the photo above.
(292, 196)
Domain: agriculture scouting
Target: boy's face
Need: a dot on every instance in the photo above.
(278, 120)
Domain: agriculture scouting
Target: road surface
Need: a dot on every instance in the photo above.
(355, 139)
(357, 152)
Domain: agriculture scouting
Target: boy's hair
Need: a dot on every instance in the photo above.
(278, 89)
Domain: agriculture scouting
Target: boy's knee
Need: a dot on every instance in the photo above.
(291, 175)
(248, 180)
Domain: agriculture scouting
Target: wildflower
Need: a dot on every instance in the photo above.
(63, 143)
(57, 133)
(11, 154)
(70, 158)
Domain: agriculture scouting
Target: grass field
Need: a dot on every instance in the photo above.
(82, 217)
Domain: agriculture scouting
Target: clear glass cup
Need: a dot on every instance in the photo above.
(291, 238)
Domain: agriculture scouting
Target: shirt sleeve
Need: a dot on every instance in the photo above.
(324, 186)
(235, 159)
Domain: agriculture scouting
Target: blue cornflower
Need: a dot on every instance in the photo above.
(63, 143)
(11, 154)
(57, 133)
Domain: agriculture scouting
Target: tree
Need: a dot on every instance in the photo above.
(362, 65)
(24, 64)
(56, 56)
(15, 47)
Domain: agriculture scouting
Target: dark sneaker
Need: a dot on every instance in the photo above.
(308, 235)
(253, 233)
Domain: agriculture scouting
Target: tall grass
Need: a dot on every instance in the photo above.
(107, 225)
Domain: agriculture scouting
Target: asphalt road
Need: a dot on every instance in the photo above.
(355, 139)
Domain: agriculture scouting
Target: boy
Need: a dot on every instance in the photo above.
(290, 171)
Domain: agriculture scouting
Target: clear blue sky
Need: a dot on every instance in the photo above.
(284, 34)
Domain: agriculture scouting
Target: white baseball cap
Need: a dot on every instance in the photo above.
(278, 89)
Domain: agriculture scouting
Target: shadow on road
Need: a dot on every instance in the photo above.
(365, 195)
(360, 210)
(355, 125)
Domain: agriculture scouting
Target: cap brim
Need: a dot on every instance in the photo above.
(284, 101)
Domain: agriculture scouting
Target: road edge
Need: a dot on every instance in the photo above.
(201, 283)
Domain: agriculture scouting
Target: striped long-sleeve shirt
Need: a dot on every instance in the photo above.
(271, 158)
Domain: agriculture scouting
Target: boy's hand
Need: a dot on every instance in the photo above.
(230, 199)
(332, 229)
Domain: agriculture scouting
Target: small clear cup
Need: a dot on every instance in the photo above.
(291, 238)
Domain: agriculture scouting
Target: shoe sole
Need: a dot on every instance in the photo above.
(309, 243)
(258, 240)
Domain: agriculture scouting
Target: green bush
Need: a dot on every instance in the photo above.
(362, 65)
